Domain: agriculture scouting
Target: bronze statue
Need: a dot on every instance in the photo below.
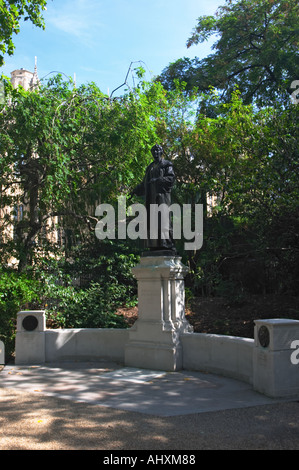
(156, 187)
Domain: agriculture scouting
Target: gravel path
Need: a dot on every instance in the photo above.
(38, 422)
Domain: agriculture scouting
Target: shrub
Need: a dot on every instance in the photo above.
(86, 290)
(17, 292)
(92, 307)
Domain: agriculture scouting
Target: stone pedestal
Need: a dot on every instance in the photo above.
(275, 373)
(30, 337)
(154, 340)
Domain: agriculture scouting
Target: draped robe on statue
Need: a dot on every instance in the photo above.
(156, 187)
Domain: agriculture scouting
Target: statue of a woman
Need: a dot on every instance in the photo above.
(156, 187)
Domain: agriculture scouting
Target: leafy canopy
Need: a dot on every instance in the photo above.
(255, 48)
(11, 13)
(66, 149)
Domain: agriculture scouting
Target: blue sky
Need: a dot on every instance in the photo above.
(97, 40)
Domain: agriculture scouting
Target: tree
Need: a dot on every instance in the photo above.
(248, 159)
(256, 49)
(64, 150)
(11, 12)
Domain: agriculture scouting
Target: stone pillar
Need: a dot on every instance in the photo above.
(30, 337)
(154, 340)
(275, 373)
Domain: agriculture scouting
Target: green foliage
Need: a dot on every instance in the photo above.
(59, 143)
(11, 13)
(255, 48)
(87, 290)
(17, 292)
(93, 307)
(248, 159)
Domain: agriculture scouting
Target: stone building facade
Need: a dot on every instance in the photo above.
(28, 80)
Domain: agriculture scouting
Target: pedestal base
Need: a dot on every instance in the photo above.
(154, 356)
(154, 340)
(30, 337)
(275, 372)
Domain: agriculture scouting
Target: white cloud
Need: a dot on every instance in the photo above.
(77, 18)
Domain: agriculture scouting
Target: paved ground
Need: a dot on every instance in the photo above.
(107, 407)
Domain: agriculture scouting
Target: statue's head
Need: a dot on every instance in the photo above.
(157, 152)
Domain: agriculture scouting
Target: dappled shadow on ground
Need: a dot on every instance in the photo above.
(36, 422)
